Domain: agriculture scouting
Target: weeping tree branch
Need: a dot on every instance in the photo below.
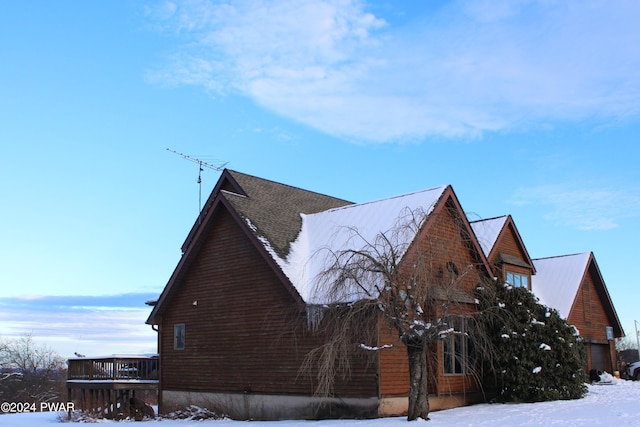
(399, 279)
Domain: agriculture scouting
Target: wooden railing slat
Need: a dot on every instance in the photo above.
(129, 368)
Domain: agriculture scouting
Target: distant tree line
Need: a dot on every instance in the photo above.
(31, 372)
(627, 343)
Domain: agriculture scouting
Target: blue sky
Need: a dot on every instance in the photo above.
(527, 108)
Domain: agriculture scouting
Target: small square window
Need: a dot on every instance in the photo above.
(178, 337)
(609, 332)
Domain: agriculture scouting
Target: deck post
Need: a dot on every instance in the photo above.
(69, 397)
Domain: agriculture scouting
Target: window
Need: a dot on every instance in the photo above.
(452, 268)
(178, 337)
(609, 332)
(518, 280)
(458, 349)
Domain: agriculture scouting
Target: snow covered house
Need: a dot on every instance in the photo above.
(573, 285)
(235, 320)
(504, 249)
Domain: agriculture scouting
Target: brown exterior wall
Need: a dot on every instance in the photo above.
(508, 244)
(394, 363)
(444, 241)
(589, 316)
(246, 334)
(504, 268)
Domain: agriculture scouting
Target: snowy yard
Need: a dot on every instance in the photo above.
(604, 405)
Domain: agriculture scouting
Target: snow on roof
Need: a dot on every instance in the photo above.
(557, 280)
(487, 231)
(348, 227)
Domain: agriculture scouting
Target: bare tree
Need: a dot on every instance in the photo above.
(626, 343)
(31, 372)
(407, 276)
(27, 355)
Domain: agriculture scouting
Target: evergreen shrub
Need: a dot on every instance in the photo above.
(535, 355)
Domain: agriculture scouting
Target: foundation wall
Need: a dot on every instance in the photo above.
(271, 407)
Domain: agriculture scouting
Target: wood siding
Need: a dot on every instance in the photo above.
(508, 244)
(445, 240)
(588, 315)
(246, 334)
(394, 363)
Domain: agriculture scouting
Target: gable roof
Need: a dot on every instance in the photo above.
(266, 210)
(273, 208)
(351, 227)
(295, 229)
(558, 280)
(489, 232)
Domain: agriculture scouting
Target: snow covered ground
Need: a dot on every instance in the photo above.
(605, 405)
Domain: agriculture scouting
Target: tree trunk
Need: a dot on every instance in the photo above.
(418, 394)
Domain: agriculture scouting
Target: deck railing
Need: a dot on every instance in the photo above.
(116, 368)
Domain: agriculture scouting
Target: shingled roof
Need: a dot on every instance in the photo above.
(294, 226)
(300, 228)
(272, 209)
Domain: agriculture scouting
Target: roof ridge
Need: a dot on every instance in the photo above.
(397, 196)
(231, 171)
(561, 256)
(489, 219)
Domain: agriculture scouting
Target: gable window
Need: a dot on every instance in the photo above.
(518, 280)
(458, 349)
(453, 271)
(178, 337)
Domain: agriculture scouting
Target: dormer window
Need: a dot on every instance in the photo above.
(518, 280)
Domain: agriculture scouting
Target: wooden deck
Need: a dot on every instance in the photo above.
(113, 386)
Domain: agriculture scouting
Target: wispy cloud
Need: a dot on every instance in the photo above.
(92, 325)
(455, 71)
(582, 208)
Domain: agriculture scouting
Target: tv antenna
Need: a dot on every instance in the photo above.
(202, 164)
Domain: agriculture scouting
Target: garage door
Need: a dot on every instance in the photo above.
(600, 358)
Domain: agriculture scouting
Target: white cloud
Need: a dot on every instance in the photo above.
(582, 208)
(92, 325)
(461, 70)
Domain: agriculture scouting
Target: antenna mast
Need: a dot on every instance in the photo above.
(201, 164)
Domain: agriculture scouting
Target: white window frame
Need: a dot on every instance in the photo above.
(457, 347)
